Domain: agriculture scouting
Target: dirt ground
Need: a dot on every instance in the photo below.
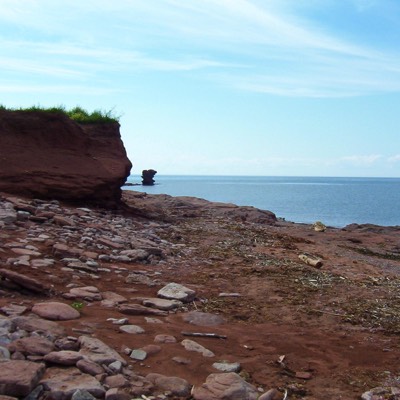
(315, 333)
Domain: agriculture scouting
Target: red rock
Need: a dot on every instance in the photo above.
(64, 357)
(89, 367)
(31, 324)
(32, 345)
(303, 375)
(48, 155)
(63, 383)
(24, 281)
(55, 311)
(19, 378)
(225, 386)
(177, 386)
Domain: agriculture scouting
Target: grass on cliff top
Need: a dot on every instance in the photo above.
(78, 114)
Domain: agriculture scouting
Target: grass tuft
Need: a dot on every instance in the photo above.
(78, 114)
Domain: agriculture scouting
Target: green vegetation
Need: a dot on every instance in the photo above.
(77, 305)
(78, 114)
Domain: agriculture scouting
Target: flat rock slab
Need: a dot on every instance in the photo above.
(175, 291)
(227, 367)
(24, 281)
(97, 351)
(191, 345)
(63, 357)
(203, 319)
(162, 304)
(225, 386)
(134, 329)
(18, 378)
(63, 383)
(138, 309)
(55, 311)
(32, 345)
(90, 293)
(31, 324)
(176, 386)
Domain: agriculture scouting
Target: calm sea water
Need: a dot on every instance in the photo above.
(334, 201)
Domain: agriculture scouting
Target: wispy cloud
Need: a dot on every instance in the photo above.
(266, 47)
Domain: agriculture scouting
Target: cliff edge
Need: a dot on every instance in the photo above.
(48, 155)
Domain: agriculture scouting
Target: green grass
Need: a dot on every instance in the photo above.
(78, 114)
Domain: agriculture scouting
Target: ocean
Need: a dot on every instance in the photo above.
(336, 202)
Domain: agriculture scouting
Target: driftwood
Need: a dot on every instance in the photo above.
(200, 334)
(314, 262)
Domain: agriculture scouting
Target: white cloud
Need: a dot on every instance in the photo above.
(394, 159)
(362, 160)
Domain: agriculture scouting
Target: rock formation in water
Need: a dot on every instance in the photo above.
(147, 177)
(48, 155)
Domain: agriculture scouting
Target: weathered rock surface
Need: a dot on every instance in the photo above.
(97, 351)
(93, 257)
(48, 155)
(63, 383)
(225, 386)
(18, 378)
(176, 291)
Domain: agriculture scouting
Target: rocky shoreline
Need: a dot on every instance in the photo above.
(180, 298)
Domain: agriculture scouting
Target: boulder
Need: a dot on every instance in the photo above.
(48, 155)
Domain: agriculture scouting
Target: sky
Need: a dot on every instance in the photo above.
(219, 87)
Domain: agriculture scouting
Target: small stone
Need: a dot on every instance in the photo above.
(138, 354)
(116, 366)
(151, 349)
(162, 304)
(164, 339)
(227, 367)
(191, 345)
(82, 394)
(303, 375)
(4, 354)
(134, 329)
(177, 292)
(89, 367)
(151, 320)
(182, 360)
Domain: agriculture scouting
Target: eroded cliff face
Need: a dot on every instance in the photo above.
(48, 155)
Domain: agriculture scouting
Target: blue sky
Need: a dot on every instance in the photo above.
(219, 87)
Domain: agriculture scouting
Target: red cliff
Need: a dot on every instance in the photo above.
(48, 155)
